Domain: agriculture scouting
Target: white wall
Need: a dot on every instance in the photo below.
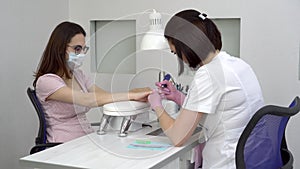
(24, 31)
(269, 42)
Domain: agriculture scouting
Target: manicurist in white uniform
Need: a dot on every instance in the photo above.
(223, 95)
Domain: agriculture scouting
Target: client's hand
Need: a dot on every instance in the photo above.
(140, 94)
(154, 99)
(170, 92)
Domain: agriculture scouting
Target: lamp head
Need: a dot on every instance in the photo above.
(154, 39)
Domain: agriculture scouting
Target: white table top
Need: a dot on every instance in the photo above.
(108, 151)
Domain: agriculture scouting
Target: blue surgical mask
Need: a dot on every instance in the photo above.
(75, 61)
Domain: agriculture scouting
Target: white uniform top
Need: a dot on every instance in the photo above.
(227, 91)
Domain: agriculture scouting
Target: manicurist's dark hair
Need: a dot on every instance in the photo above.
(194, 36)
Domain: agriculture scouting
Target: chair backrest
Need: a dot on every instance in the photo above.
(42, 137)
(263, 139)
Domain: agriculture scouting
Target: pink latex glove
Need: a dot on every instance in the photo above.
(155, 99)
(170, 92)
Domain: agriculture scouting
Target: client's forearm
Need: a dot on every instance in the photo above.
(106, 97)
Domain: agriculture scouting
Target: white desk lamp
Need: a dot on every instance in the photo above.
(154, 38)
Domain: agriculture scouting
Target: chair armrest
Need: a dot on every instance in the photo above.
(40, 147)
(287, 159)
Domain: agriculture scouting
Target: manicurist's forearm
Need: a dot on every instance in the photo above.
(165, 120)
(181, 129)
(166, 123)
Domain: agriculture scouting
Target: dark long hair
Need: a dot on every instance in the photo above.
(53, 59)
(193, 37)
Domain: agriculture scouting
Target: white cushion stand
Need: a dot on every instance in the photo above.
(126, 109)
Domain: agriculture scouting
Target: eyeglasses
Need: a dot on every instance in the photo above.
(79, 49)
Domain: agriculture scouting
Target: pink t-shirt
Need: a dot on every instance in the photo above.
(65, 121)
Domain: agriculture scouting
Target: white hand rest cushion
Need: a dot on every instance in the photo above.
(125, 108)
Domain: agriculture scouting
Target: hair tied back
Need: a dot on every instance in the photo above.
(202, 16)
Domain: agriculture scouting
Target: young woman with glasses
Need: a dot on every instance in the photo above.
(63, 89)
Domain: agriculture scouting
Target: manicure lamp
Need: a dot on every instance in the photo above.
(154, 38)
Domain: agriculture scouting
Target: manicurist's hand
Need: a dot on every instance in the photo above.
(155, 99)
(170, 92)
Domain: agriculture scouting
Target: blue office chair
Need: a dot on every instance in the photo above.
(262, 144)
(41, 139)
